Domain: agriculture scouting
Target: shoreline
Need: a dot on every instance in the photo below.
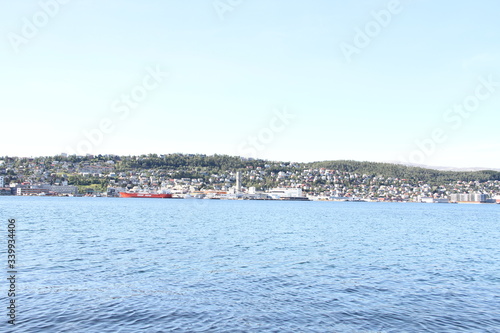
(304, 199)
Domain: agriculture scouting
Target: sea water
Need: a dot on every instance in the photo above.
(165, 265)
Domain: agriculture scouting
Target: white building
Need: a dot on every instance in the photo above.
(426, 199)
(468, 197)
(277, 193)
(2, 181)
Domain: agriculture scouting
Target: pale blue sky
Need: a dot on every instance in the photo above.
(227, 77)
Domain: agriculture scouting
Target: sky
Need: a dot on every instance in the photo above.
(409, 81)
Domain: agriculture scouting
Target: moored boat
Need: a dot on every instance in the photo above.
(145, 195)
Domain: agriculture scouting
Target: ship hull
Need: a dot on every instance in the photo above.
(145, 195)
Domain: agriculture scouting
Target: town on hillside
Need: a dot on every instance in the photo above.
(197, 176)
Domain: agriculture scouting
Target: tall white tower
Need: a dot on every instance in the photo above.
(238, 181)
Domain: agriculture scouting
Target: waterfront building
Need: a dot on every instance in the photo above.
(31, 191)
(469, 197)
(46, 189)
(427, 199)
(278, 193)
(64, 189)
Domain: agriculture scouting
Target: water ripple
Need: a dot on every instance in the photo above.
(110, 265)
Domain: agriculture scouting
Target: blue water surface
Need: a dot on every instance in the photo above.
(165, 265)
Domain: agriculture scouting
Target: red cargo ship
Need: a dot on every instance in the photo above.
(145, 195)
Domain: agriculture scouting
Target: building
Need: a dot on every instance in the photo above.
(469, 197)
(2, 179)
(279, 193)
(31, 191)
(115, 191)
(64, 189)
(47, 189)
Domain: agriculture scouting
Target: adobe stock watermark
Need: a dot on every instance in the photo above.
(254, 144)
(30, 27)
(120, 110)
(454, 118)
(222, 7)
(371, 30)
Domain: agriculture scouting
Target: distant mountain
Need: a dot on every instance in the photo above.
(444, 168)
(411, 173)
